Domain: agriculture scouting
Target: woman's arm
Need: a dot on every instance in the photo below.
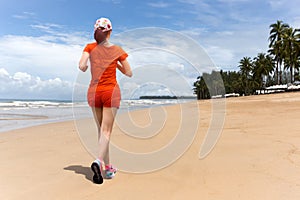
(83, 61)
(125, 68)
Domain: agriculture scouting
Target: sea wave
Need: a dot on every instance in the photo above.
(26, 104)
(15, 114)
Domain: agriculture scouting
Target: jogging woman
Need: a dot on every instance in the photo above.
(104, 93)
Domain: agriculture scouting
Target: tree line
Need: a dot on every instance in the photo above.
(279, 65)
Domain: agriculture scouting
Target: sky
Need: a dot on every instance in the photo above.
(41, 41)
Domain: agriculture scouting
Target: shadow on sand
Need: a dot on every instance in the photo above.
(78, 169)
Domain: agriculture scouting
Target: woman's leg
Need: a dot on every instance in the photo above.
(97, 112)
(107, 121)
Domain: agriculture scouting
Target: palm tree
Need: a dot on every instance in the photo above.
(297, 70)
(276, 34)
(200, 88)
(245, 66)
(269, 67)
(209, 85)
(291, 46)
(277, 52)
(263, 65)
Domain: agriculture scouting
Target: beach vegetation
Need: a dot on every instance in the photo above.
(279, 65)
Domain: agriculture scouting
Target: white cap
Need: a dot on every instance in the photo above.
(103, 23)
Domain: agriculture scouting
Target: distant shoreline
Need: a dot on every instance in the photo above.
(167, 97)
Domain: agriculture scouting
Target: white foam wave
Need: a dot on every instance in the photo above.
(20, 104)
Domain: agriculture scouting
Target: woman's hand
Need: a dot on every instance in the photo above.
(83, 61)
(83, 68)
(125, 68)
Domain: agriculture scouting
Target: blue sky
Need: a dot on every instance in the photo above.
(41, 41)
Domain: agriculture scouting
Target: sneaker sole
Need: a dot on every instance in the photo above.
(97, 178)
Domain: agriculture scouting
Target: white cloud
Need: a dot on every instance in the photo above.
(41, 67)
(221, 55)
(3, 73)
(24, 85)
(158, 16)
(46, 27)
(22, 76)
(24, 15)
(227, 47)
(159, 4)
(39, 56)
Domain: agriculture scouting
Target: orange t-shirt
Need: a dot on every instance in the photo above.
(104, 62)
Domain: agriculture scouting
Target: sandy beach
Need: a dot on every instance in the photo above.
(256, 157)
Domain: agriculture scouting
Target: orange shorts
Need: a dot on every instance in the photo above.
(106, 98)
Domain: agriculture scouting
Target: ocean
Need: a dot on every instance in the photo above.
(18, 113)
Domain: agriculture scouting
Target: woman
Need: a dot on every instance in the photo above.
(104, 93)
